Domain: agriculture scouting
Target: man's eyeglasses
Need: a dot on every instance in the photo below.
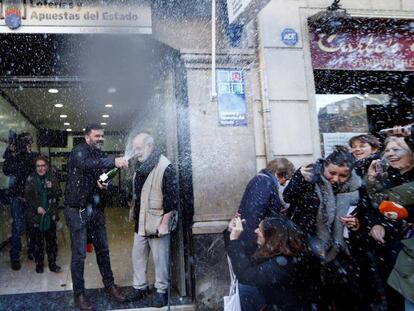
(41, 165)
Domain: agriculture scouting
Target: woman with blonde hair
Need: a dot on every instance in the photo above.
(391, 179)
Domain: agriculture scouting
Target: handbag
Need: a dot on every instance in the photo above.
(232, 301)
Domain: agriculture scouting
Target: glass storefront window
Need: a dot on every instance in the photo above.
(342, 116)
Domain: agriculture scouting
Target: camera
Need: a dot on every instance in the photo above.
(316, 170)
(20, 141)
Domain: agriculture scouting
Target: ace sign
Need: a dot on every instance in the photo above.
(289, 37)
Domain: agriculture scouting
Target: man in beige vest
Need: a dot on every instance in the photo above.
(154, 205)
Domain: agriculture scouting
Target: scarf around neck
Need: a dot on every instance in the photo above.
(333, 205)
(41, 186)
(144, 168)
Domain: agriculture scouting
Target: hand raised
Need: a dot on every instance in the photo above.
(121, 162)
(307, 171)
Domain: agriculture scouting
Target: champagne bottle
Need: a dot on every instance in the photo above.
(105, 177)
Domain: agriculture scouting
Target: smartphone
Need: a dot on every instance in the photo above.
(381, 166)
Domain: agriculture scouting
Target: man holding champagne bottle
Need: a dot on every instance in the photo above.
(84, 211)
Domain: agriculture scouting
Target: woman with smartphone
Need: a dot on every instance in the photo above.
(325, 199)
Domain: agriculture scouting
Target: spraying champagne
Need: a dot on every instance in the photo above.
(106, 177)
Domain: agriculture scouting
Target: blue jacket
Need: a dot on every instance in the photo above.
(260, 200)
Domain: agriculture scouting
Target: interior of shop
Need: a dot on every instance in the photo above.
(52, 86)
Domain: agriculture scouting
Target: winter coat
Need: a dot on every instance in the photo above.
(378, 191)
(19, 165)
(85, 165)
(260, 200)
(402, 276)
(305, 202)
(282, 280)
(361, 166)
(34, 199)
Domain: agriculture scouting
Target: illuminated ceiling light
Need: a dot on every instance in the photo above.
(58, 105)
(68, 130)
(108, 106)
(53, 91)
(103, 123)
(105, 116)
(66, 123)
(111, 90)
(63, 116)
(84, 129)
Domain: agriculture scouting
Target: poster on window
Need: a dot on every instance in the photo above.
(330, 140)
(231, 98)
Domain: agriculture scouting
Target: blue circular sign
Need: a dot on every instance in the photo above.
(13, 21)
(13, 17)
(290, 37)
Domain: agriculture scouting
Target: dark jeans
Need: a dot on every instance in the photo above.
(251, 299)
(17, 210)
(39, 238)
(92, 222)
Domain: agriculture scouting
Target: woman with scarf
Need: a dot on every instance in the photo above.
(42, 193)
(365, 148)
(325, 197)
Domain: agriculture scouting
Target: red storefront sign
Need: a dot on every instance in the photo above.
(364, 49)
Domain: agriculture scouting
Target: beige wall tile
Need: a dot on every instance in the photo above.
(223, 158)
(291, 128)
(386, 4)
(285, 74)
(407, 5)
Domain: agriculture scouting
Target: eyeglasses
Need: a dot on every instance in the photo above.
(41, 165)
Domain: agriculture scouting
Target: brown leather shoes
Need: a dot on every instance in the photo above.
(115, 293)
(83, 303)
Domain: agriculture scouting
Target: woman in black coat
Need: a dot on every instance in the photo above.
(326, 198)
(365, 148)
(42, 193)
(279, 267)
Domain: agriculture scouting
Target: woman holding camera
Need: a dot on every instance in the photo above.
(392, 180)
(384, 179)
(278, 268)
(42, 192)
(325, 197)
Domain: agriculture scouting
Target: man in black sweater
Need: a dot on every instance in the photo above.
(84, 212)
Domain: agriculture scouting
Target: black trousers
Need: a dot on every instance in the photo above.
(83, 223)
(341, 286)
(39, 238)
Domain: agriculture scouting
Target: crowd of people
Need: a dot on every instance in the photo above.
(34, 193)
(336, 234)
